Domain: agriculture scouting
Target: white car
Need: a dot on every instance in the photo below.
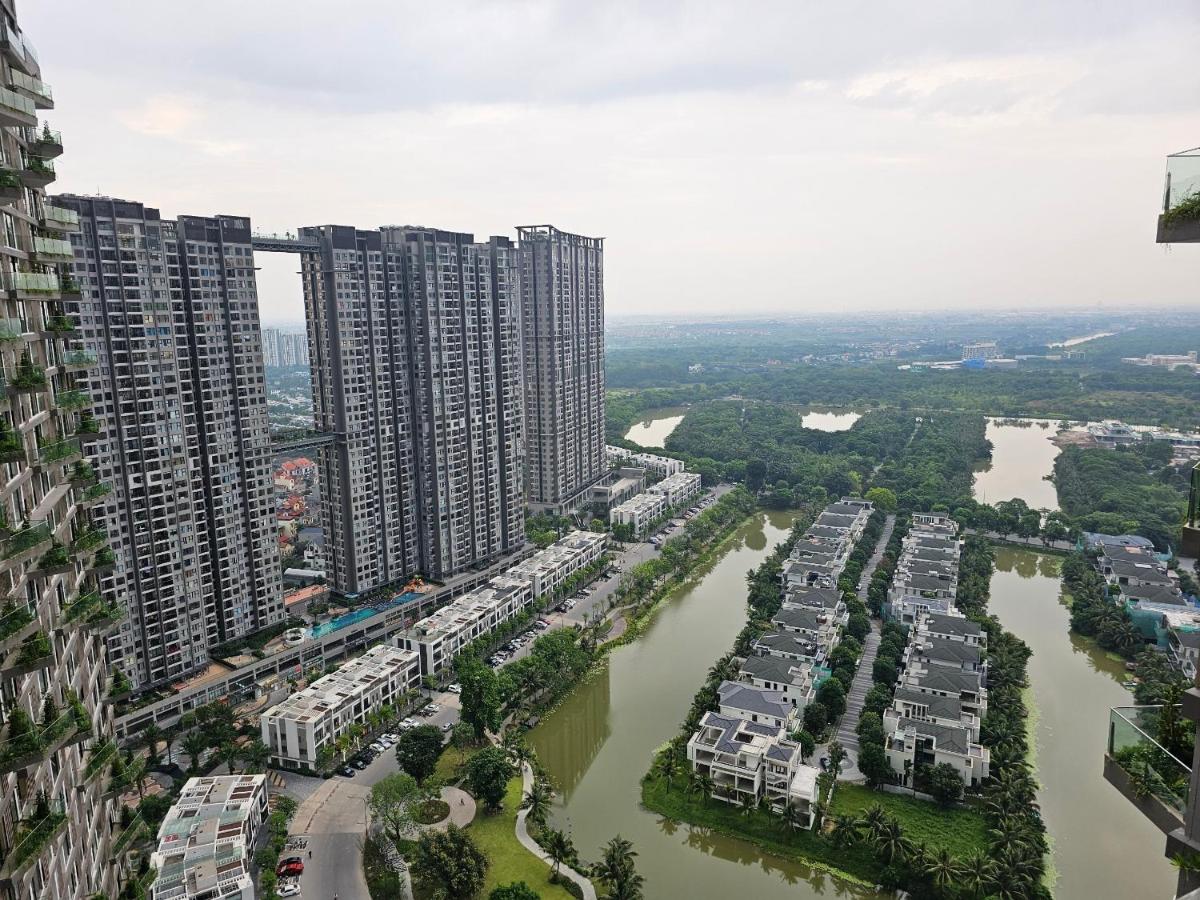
(455, 688)
(288, 890)
(377, 747)
(408, 723)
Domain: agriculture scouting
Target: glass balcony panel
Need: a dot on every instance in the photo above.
(1151, 767)
(1183, 178)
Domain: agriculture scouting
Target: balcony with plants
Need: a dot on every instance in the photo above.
(1144, 761)
(28, 378)
(12, 331)
(69, 286)
(95, 493)
(16, 624)
(59, 452)
(105, 560)
(81, 607)
(38, 172)
(34, 285)
(31, 837)
(29, 541)
(79, 359)
(103, 617)
(47, 143)
(82, 473)
(88, 426)
(11, 186)
(72, 399)
(119, 686)
(35, 652)
(33, 88)
(60, 326)
(12, 447)
(55, 561)
(89, 539)
(25, 743)
(100, 757)
(1180, 218)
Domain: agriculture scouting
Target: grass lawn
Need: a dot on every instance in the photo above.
(855, 863)
(496, 836)
(450, 763)
(961, 831)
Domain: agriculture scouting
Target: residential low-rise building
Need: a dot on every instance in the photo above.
(926, 651)
(795, 681)
(297, 729)
(913, 743)
(792, 646)
(548, 569)
(618, 486)
(207, 839)
(910, 704)
(638, 512)
(661, 466)
(952, 627)
(744, 749)
(440, 637)
(678, 488)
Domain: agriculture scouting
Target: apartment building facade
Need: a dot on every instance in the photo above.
(562, 298)
(301, 731)
(414, 337)
(170, 310)
(53, 674)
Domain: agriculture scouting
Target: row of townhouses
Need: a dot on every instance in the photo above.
(660, 466)
(207, 839)
(643, 509)
(745, 747)
(297, 729)
(1140, 579)
(941, 695)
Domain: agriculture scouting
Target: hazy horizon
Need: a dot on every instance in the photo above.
(775, 159)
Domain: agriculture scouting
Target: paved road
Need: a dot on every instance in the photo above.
(847, 734)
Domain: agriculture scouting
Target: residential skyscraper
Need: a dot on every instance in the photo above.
(271, 347)
(562, 300)
(286, 349)
(414, 338)
(52, 620)
(170, 308)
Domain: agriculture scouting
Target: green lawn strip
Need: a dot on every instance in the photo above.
(961, 831)
(496, 835)
(450, 764)
(855, 864)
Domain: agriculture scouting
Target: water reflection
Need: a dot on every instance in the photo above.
(829, 420)
(585, 728)
(1022, 457)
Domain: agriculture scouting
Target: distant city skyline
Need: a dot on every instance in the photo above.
(947, 156)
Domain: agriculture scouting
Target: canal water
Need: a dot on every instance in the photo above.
(1022, 456)
(1102, 846)
(600, 742)
(655, 426)
(829, 419)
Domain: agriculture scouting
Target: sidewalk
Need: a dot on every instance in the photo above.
(589, 891)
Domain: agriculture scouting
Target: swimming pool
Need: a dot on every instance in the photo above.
(350, 618)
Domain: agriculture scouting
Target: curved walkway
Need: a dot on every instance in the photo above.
(847, 733)
(589, 890)
(462, 809)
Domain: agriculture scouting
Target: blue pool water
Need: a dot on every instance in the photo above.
(319, 631)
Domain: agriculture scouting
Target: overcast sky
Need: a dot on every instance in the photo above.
(738, 157)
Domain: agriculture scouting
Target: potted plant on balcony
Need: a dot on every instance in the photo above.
(29, 377)
(12, 449)
(89, 426)
(60, 325)
(82, 473)
(55, 561)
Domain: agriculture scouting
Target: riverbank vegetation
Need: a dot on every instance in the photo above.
(1128, 490)
(1094, 613)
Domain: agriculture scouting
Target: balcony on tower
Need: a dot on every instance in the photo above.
(31, 87)
(1179, 222)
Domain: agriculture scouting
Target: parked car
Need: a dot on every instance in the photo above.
(347, 771)
(447, 726)
(408, 723)
(430, 709)
(288, 890)
(455, 688)
(293, 865)
(358, 763)
(377, 746)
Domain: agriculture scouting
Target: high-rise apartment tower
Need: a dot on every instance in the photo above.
(562, 305)
(170, 309)
(415, 347)
(56, 823)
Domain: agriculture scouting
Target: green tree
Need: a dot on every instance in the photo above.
(488, 772)
(194, 744)
(559, 848)
(832, 696)
(873, 763)
(807, 742)
(884, 498)
(449, 861)
(816, 717)
(537, 801)
(418, 750)
(517, 890)
(618, 872)
(944, 783)
(480, 696)
(392, 804)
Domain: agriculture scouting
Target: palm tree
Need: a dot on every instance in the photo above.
(152, 735)
(558, 847)
(789, 817)
(537, 802)
(976, 877)
(194, 745)
(943, 869)
(891, 843)
(845, 830)
(616, 870)
(873, 821)
(255, 755)
(229, 754)
(706, 787)
(667, 766)
(746, 803)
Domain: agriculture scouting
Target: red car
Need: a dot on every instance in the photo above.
(290, 867)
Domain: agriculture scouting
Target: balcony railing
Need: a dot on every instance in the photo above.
(11, 330)
(29, 85)
(1180, 219)
(1151, 769)
(15, 106)
(32, 836)
(82, 358)
(59, 217)
(35, 282)
(54, 248)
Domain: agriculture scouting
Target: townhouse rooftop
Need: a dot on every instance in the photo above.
(737, 695)
(940, 623)
(350, 680)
